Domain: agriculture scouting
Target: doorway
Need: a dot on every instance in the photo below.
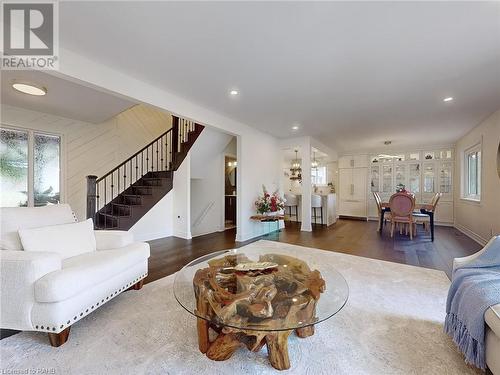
(230, 191)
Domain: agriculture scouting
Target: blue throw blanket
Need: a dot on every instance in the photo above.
(474, 288)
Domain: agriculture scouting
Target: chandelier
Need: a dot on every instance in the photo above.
(314, 163)
(296, 171)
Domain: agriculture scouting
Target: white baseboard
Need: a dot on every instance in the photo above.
(208, 232)
(476, 237)
(151, 236)
(182, 234)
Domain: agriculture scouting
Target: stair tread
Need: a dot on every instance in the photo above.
(109, 215)
(121, 204)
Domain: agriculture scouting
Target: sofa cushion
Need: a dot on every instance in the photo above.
(83, 271)
(492, 318)
(68, 240)
(14, 218)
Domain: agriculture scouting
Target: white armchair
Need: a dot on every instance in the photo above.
(492, 315)
(41, 291)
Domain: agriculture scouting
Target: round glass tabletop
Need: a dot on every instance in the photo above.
(259, 289)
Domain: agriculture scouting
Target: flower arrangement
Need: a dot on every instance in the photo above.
(401, 188)
(269, 202)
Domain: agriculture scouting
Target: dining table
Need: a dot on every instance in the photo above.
(426, 209)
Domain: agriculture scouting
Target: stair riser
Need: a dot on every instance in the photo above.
(120, 210)
(142, 190)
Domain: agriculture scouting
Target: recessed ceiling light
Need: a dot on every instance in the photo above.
(30, 89)
(233, 92)
(448, 99)
(295, 127)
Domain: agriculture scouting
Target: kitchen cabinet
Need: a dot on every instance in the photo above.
(353, 161)
(352, 191)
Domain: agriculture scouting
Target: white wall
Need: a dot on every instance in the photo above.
(182, 200)
(207, 180)
(480, 220)
(207, 206)
(257, 151)
(158, 222)
(91, 149)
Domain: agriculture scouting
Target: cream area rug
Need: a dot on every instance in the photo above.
(391, 324)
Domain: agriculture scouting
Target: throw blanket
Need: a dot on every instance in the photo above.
(474, 288)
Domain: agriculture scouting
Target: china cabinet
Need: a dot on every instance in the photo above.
(424, 173)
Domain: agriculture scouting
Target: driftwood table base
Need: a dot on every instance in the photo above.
(252, 304)
(225, 344)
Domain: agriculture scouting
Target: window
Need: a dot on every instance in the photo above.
(472, 173)
(318, 176)
(29, 168)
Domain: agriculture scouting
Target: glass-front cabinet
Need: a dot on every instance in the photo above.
(423, 173)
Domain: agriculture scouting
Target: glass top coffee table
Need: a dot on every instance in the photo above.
(256, 296)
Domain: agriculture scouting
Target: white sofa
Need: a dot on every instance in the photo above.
(45, 292)
(491, 317)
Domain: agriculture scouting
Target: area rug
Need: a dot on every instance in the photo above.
(391, 324)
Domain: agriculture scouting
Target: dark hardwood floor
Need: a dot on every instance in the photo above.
(354, 237)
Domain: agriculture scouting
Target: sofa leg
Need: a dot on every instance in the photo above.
(57, 339)
(138, 285)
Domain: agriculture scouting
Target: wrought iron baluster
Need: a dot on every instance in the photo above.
(112, 186)
(105, 202)
(125, 175)
(157, 163)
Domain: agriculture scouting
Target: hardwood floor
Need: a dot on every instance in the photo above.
(354, 237)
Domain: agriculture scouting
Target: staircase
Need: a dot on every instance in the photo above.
(121, 197)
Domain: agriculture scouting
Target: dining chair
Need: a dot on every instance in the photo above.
(424, 218)
(378, 202)
(291, 202)
(315, 204)
(402, 206)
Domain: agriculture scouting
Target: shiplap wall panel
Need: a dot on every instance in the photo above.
(92, 149)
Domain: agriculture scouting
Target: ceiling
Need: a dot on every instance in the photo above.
(63, 98)
(352, 74)
(289, 153)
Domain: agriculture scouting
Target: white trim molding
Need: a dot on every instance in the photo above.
(476, 237)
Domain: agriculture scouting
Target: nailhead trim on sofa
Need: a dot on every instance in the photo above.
(44, 328)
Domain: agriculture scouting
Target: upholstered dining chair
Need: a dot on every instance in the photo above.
(402, 206)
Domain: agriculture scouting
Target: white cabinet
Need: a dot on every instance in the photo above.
(352, 191)
(353, 161)
(424, 173)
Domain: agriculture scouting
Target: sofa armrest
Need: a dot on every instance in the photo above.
(18, 272)
(112, 239)
(492, 245)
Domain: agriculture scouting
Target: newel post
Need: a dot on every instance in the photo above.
(91, 197)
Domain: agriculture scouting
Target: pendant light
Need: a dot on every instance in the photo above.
(295, 169)
(314, 164)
